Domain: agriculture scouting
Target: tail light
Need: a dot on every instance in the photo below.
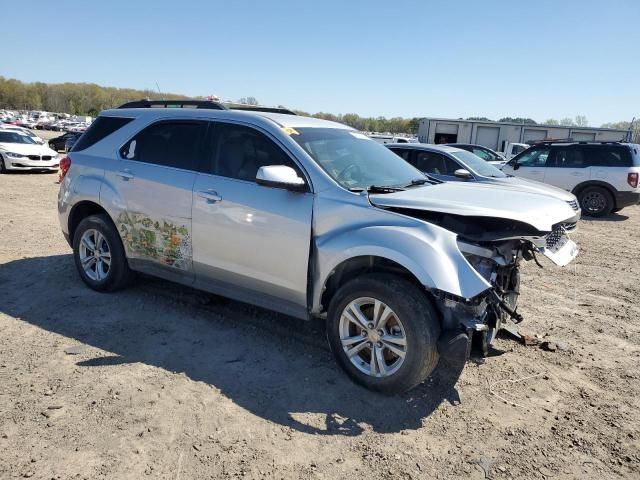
(64, 166)
(632, 179)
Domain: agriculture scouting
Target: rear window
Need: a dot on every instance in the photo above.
(99, 129)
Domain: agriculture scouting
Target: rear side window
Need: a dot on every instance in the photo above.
(99, 129)
(609, 156)
(169, 144)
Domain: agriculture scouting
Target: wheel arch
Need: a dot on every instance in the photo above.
(594, 183)
(363, 264)
(82, 210)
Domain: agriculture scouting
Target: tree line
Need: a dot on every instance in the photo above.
(90, 99)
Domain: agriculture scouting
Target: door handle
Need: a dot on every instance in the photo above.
(125, 174)
(210, 196)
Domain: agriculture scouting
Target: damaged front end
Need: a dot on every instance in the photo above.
(495, 248)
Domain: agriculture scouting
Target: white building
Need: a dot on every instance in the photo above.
(496, 135)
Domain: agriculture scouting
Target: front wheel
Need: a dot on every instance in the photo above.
(3, 169)
(383, 331)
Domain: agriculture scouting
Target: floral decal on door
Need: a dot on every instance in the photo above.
(166, 242)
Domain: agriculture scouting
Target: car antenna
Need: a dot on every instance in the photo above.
(628, 136)
(159, 92)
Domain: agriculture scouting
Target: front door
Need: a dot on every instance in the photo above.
(250, 242)
(154, 178)
(531, 164)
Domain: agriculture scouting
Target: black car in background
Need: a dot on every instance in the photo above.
(58, 143)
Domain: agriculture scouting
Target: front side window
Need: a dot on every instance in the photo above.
(240, 152)
(435, 163)
(533, 158)
(354, 160)
(170, 144)
(402, 153)
(486, 155)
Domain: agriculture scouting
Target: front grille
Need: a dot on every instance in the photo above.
(46, 157)
(574, 204)
(554, 237)
(34, 157)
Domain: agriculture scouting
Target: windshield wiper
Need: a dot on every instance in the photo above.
(418, 181)
(376, 189)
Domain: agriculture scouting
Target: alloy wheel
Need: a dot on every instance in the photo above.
(373, 337)
(95, 255)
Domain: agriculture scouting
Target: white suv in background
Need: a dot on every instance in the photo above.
(603, 175)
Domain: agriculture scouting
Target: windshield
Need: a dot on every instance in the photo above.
(354, 160)
(14, 137)
(478, 166)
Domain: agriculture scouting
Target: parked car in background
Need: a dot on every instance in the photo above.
(58, 143)
(603, 175)
(484, 153)
(306, 217)
(21, 152)
(71, 140)
(25, 131)
(381, 138)
(452, 164)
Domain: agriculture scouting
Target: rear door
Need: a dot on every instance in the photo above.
(251, 242)
(155, 177)
(531, 164)
(610, 163)
(567, 166)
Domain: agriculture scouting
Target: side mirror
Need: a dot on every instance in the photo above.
(280, 176)
(514, 165)
(463, 173)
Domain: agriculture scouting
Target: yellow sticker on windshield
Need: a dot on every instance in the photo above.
(290, 131)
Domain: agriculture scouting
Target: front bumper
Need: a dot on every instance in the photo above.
(627, 199)
(28, 164)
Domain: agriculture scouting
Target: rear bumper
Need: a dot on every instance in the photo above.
(627, 199)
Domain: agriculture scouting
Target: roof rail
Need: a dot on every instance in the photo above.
(200, 104)
(258, 108)
(571, 140)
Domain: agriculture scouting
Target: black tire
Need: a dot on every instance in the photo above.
(595, 201)
(419, 319)
(3, 169)
(119, 275)
(616, 210)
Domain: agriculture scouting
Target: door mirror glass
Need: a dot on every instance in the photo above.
(280, 176)
(462, 173)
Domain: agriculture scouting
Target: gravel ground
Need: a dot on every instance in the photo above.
(161, 381)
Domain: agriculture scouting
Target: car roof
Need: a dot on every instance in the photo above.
(281, 119)
(425, 146)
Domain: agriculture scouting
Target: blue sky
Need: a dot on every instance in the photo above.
(542, 59)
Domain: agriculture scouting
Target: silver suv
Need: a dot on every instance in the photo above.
(309, 218)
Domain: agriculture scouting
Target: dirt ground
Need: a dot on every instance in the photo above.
(161, 381)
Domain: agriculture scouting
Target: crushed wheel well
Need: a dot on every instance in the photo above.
(81, 211)
(354, 267)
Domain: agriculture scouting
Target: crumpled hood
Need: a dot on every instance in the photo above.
(541, 211)
(27, 149)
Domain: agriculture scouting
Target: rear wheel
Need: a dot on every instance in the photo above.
(595, 201)
(383, 331)
(99, 254)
